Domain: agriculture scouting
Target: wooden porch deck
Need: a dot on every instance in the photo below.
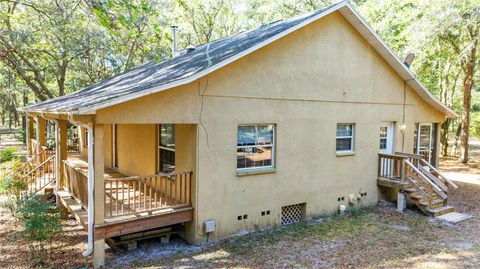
(132, 204)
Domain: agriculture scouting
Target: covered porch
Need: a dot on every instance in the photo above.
(117, 179)
(127, 198)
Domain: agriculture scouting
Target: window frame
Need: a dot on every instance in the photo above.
(271, 167)
(352, 137)
(85, 142)
(115, 146)
(159, 148)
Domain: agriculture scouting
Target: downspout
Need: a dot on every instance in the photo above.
(90, 186)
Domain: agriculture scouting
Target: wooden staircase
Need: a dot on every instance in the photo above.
(422, 184)
(37, 174)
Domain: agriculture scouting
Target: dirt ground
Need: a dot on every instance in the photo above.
(376, 237)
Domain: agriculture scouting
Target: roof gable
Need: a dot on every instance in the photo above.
(151, 77)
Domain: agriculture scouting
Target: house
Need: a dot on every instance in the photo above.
(270, 126)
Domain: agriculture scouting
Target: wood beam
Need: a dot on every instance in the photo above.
(143, 224)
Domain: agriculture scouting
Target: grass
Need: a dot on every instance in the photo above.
(363, 238)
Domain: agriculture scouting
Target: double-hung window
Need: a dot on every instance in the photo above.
(255, 146)
(345, 137)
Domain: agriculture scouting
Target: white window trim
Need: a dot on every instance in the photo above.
(352, 137)
(260, 168)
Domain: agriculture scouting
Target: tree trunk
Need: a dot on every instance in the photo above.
(467, 100)
(457, 136)
(444, 137)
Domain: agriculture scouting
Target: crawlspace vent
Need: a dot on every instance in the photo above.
(293, 213)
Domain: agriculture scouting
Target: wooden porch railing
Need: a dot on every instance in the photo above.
(416, 172)
(32, 162)
(75, 182)
(146, 193)
(40, 176)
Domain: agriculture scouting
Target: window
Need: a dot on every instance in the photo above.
(166, 148)
(255, 146)
(383, 137)
(115, 145)
(345, 133)
(86, 138)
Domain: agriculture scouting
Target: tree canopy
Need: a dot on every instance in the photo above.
(50, 48)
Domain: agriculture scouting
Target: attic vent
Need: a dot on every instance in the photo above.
(293, 213)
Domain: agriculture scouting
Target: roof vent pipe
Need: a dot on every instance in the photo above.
(174, 40)
(190, 48)
(409, 59)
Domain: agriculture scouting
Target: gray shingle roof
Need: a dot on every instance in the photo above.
(143, 78)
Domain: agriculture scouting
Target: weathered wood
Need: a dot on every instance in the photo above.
(142, 224)
(172, 189)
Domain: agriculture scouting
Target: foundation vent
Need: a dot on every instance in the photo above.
(293, 213)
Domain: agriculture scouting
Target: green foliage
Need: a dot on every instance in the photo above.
(10, 178)
(41, 222)
(7, 154)
(21, 135)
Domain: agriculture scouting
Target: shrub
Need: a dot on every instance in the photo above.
(10, 178)
(41, 222)
(7, 154)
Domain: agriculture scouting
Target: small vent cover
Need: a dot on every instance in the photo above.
(293, 213)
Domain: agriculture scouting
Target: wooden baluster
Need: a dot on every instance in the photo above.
(116, 198)
(429, 187)
(156, 191)
(123, 196)
(144, 194)
(150, 191)
(134, 197)
(189, 184)
(128, 196)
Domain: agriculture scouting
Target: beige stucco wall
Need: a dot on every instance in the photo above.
(305, 83)
(136, 149)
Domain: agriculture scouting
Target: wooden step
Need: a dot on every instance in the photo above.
(422, 198)
(440, 210)
(436, 203)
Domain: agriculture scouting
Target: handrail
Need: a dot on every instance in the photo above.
(392, 155)
(40, 165)
(426, 180)
(417, 187)
(433, 178)
(440, 174)
(409, 155)
(142, 177)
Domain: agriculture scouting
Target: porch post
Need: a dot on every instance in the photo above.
(60, 149)
(29, 135)
(99, 193)
(40, 130)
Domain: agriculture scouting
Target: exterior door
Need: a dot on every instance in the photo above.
(386, 138)
(424, 141)
(386, 144)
